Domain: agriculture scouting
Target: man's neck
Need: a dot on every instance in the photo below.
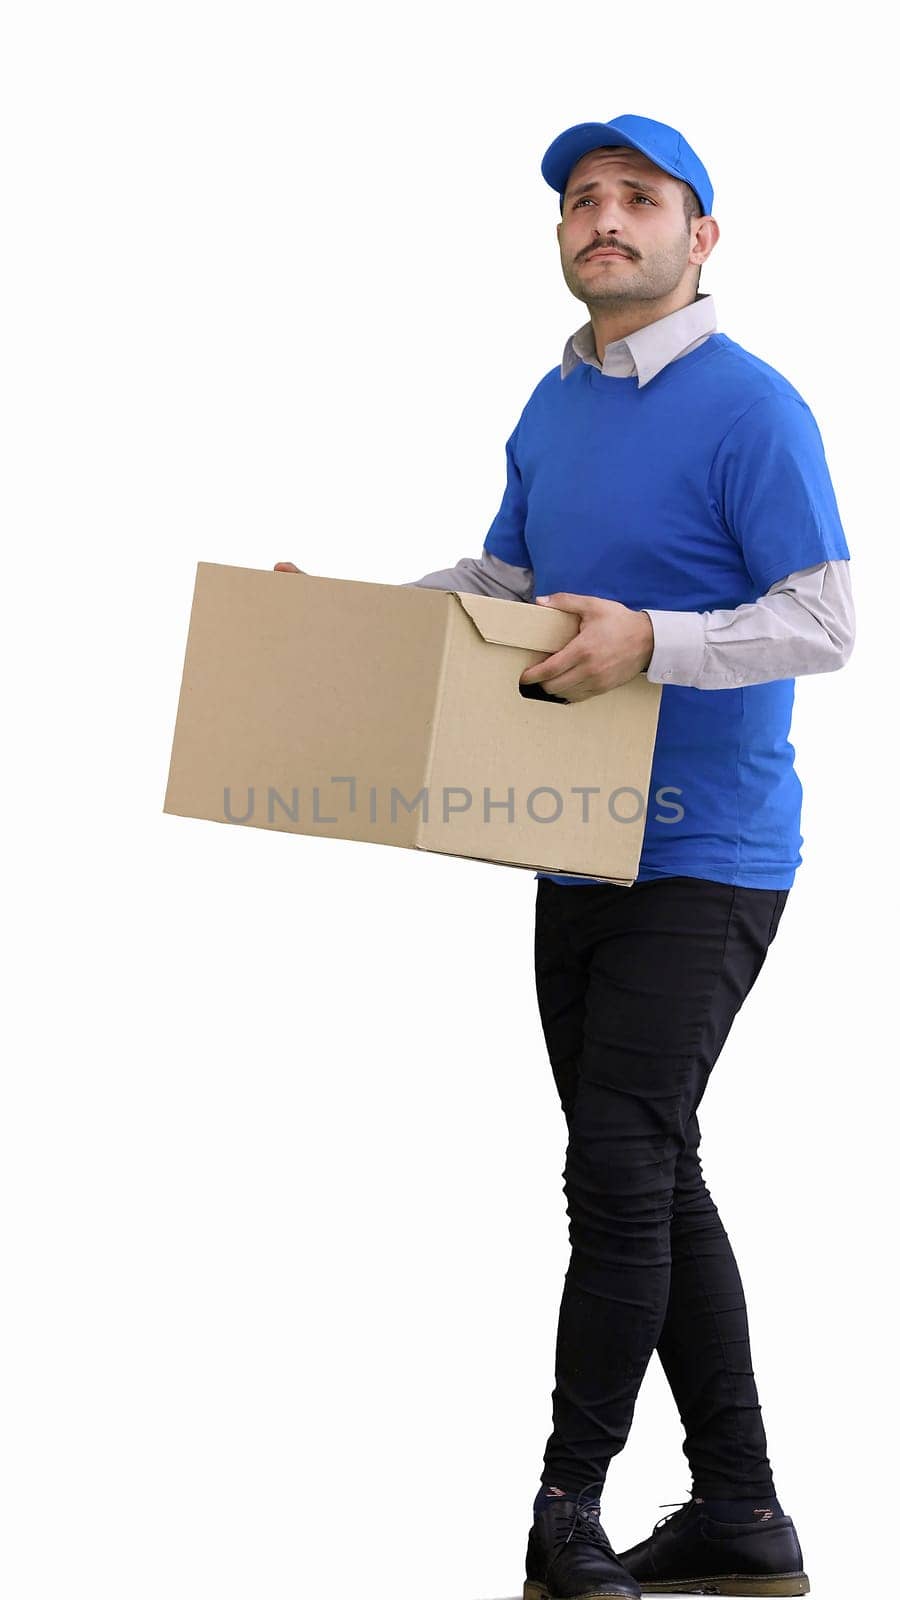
(616, 322)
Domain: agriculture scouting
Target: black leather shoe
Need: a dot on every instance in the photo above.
(569, 1556)
(690, 1553)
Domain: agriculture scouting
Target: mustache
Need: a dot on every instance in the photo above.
(611, 244)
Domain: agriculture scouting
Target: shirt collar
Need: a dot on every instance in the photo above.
(645, 352)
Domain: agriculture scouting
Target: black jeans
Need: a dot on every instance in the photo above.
(637, 990)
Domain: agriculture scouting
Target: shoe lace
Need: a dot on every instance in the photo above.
(680, 1505)
(586, 1526)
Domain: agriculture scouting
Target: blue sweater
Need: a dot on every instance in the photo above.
(698, 490)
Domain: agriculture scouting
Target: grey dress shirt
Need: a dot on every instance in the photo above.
(804, 623)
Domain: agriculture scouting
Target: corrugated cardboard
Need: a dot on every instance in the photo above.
(394, 715)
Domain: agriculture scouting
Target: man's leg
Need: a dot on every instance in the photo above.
(637, 990)
(704, 1347)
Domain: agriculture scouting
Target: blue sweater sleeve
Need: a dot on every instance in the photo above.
(770, 485)
(505, 537)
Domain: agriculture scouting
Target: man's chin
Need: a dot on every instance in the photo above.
(620, 279)
(603, 294)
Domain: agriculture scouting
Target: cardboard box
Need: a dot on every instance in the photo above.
(394, 715)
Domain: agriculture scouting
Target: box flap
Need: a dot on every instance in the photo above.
(524, 866)
(517, 623)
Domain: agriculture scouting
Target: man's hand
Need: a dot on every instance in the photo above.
(288, 566)
(614, 644)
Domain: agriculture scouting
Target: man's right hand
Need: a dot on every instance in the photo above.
(288, 566)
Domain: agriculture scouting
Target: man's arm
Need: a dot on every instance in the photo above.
(484, 574)
(805, 623)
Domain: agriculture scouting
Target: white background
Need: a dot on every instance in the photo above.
(283, 1228)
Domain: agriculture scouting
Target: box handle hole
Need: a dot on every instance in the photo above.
(536, 691)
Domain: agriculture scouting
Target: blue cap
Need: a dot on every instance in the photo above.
(663, 145)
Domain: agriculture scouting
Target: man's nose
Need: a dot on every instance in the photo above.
(606, 215)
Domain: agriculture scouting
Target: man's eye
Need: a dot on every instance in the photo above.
(586, 197)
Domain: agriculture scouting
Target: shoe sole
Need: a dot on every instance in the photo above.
(784, 1583)
(539, 1591)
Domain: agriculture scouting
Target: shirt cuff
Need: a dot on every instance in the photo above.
(679, 645)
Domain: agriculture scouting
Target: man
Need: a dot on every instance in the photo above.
(671, 490)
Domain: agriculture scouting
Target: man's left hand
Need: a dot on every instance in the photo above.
(613, 645)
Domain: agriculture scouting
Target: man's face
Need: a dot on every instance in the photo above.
(617, 198)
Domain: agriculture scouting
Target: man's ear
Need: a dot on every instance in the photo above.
(705, 240)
